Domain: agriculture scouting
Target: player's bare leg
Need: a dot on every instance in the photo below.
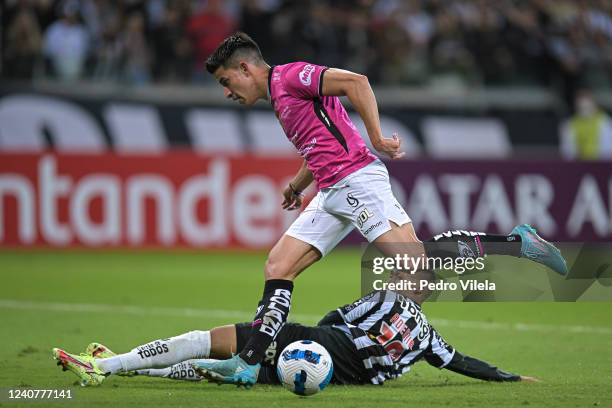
(223, 342)
(400, 240)
(404, 234)
(289, 257)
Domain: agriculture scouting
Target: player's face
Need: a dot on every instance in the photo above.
(238, 84)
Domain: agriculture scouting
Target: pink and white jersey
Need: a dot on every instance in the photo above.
(317, 125)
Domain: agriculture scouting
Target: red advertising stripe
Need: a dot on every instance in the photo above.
(175, 199)
(184, 200)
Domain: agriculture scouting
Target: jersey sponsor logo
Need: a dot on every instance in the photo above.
(363, 216)
(372, 227)
(304, 150)
(305, 74)
(394, 348)
(412, 311)
(424, 332)
(352, 200)
(402, 329)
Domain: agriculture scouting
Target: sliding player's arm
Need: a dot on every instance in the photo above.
(442, 355)
(472, 367)
(356, 87)
(292, 194)
(352, 311)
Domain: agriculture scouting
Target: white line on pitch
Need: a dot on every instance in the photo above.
(237, 315)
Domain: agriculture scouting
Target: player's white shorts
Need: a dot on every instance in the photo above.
(361, 200)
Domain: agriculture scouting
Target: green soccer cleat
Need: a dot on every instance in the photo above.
(232, 371)
(99, 350)
(84, 366)
(539, 250)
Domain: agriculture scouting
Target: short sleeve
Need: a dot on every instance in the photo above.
(304, 80)
(360, 307)
(439, 353)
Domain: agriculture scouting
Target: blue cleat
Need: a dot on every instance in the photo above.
(539, 250)
(232, 371)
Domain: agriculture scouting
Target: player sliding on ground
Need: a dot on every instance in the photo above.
(374, 339)
(353, 185)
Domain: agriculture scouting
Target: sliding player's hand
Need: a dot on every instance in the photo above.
(529, 379)
(292, 199)
(219, 379)
(390, 147)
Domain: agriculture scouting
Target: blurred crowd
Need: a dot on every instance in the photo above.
(565, 44)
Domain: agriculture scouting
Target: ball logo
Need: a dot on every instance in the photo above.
(298, 354)
(305, 74)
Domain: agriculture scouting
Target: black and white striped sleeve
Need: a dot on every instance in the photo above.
(439, 353)
(361, 308)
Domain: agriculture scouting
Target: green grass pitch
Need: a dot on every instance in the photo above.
(124, 299)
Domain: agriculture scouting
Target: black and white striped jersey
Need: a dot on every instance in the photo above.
(391, 333)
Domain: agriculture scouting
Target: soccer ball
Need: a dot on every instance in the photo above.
(305, 367)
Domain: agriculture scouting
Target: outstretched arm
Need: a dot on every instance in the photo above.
(440, 354)
(481, 370)
(356, 87)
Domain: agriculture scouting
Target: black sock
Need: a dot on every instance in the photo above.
(271, 316)
(468, 244)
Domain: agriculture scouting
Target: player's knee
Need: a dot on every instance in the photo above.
(277, 269)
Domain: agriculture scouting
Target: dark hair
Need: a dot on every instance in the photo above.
(238, 42)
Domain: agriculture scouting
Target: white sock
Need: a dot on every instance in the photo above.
(180, 371)
(160, 353)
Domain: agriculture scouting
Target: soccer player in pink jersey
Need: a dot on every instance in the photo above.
(353, 184)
